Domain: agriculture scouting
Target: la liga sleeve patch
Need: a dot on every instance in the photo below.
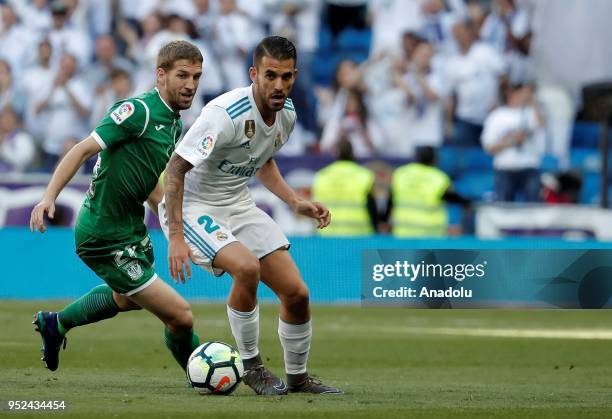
(206, 145)
(122, 112)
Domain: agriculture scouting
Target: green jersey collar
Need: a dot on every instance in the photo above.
(175, 113)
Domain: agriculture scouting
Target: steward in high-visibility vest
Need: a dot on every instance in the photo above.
(419, 191)
(345, 187)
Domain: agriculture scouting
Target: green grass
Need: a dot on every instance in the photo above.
(391, 362)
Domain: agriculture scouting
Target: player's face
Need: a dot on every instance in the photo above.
(180, 83)
(273, 80)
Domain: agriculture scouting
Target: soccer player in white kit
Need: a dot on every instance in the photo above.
(209, 216)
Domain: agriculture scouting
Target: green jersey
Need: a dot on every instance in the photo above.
(137, 137)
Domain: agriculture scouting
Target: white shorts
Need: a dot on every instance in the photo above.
(208, 229)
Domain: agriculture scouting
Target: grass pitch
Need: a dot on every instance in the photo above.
(391, 362)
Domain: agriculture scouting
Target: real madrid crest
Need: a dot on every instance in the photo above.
(278, 141)
(249, 128)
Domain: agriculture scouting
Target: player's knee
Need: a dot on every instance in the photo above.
(247, 272)
(298, 297)
(124, 303)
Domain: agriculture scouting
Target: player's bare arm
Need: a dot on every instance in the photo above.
(174, 183)
(65, 171)
(155, 198)
(271, 178)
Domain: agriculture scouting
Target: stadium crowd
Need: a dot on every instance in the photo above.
(388, 76)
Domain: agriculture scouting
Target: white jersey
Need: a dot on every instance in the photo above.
(228, 143)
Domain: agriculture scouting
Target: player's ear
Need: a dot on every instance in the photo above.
(161, 75)
(252, 74)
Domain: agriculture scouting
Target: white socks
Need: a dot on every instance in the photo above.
(245, 328)
(295, 339)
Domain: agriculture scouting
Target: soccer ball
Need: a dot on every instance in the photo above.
(214, 368)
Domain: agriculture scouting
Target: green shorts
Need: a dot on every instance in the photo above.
(126, 266)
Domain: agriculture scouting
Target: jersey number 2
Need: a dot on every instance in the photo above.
(208, 223)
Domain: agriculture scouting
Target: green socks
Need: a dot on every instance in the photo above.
(98, 304)
(181, 346)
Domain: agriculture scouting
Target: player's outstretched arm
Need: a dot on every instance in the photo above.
(178, 251)
(65, 170)
(271, 178)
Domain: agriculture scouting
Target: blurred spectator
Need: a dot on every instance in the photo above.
(514, 135)
(137, 11)
(507, 28)
(386, 103)
(233, 40)
(390, 19)
(211, 85)
(66, 39)
(332, 101)
(36, 13)
(137, 37)
(10, 93)
(561, 187)
(106, 60)
(183, 8)
(418, 193)
(36, 82)
(354, 125)
(67, 103)
(17, 149)
(381, 192)
(298, 21)
(425, 92)
(410, 41)
(473, 75)
(120, 87)
(92, 16)
(345, 188)
(16, 40)
(439, 21)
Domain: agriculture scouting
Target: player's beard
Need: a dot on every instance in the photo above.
(182, 101)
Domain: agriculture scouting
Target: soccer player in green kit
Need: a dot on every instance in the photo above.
(133, 141)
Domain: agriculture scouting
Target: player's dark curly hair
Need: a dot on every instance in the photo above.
(178, 50)
(275, 47)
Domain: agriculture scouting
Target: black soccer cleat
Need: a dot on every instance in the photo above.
(264, 382)
(304, 383)
(52, 339)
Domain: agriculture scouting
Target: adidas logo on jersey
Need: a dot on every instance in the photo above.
(246, 145)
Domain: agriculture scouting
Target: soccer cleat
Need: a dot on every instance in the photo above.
(263, 382)
(304, 383)
(52, 340)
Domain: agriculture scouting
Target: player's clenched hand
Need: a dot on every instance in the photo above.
(178, 256)
(314, 210)
(37, 217)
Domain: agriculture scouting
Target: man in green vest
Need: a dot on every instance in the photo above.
(418, 194)
(346, 189)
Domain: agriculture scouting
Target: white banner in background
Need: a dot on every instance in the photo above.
(566, 221)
